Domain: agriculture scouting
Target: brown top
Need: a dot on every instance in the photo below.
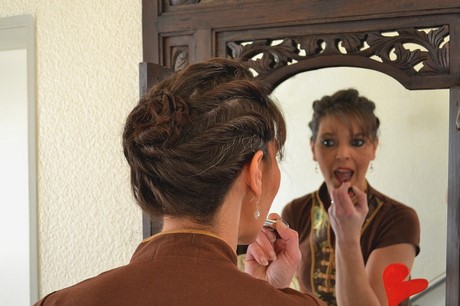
(387, 223)
(178, 268)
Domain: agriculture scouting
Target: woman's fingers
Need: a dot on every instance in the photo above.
(275, 254)
(361, 202)
(256, 254)
(286, 238)
(262, 249)
(348, 212)
(289, 239)
(348, 199)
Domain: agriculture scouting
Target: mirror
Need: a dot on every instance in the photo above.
(323, 29)
(411, 163)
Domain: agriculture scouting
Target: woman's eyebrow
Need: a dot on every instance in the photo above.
(327, 134)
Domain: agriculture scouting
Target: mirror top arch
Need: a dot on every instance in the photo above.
(294, 36)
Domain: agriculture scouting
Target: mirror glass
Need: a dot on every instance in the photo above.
(411, 162)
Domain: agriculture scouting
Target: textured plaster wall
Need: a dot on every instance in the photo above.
(87, 55)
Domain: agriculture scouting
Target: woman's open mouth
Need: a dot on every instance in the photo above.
(343, 175)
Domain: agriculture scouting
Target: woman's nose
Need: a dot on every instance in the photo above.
(343, 152)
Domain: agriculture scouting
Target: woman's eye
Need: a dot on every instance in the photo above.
(327, 142)
(357, 142)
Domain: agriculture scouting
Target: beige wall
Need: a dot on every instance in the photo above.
(86, 83)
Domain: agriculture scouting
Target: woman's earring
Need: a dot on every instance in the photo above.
(257, 211)
(371, 167)
(316, 167)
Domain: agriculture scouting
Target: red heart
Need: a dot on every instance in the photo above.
(396, 288)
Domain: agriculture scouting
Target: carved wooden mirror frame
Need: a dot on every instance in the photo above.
(279, 39)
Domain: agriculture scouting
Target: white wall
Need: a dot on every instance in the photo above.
(411, 162)
(87, 56)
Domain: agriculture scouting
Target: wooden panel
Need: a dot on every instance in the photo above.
(453, 211)
(176, 51)
(223, 14)
(150, 36)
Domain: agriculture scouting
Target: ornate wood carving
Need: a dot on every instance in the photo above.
(179, 57)
(177, 51)
(428, 55)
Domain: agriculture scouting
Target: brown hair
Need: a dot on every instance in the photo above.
(346, 104)
(190, 136)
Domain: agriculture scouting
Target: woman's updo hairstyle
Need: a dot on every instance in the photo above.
(190, 136)
(345, 105)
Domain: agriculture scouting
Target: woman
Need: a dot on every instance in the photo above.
(202, 147)
(344, 142)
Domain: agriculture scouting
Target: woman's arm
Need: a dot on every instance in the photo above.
(381, 258)
(347, 216)
(357, 283)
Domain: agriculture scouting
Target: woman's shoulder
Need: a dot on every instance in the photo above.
(393, 223)
(393, 213)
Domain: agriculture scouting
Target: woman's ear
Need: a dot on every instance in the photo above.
(254, 177)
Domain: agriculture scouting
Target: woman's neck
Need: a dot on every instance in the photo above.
(171, 224)
(222, 226)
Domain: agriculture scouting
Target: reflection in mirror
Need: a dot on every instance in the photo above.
(411, 161)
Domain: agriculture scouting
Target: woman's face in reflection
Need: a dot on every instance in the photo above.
(343, 152)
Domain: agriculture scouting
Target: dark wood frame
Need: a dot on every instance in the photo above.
(293, 36)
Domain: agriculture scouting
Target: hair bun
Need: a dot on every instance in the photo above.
(162, 121)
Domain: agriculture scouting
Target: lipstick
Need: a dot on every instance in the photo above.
(270, 224)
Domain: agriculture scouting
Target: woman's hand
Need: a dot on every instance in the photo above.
(347, 212)
(274, 259)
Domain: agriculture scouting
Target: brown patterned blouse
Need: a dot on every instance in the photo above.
(388, 222)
